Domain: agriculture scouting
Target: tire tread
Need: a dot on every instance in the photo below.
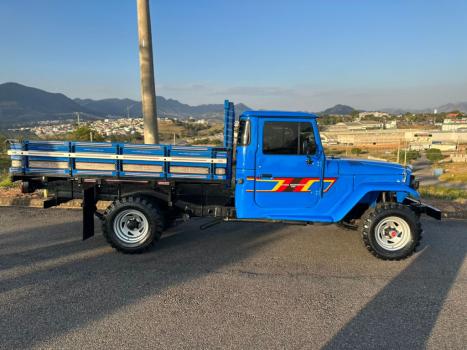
(153, 212)
(368, 220)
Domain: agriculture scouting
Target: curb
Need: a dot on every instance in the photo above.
(21, 202)
(30, 202)
(455, 215)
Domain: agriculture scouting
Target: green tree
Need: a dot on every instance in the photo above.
(83, 133)
(411, 155)
(434, 155)
(130, 138)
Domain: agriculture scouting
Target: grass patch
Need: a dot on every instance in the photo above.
(439, 192)
(454, 172)
(5, 181)
(5, 162)
(449, 177)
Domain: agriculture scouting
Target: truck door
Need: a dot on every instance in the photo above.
(288, 168)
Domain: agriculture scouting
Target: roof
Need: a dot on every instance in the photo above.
(278, 114)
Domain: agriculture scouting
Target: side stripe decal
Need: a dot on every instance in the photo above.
(293, 184)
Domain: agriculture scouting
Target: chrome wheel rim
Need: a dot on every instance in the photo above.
(131, 227)
(393, 233)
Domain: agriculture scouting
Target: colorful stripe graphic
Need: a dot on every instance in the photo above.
(293, 184)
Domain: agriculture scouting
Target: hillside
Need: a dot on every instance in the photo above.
(111, 106)
(165, 107)
(19, 103)
(460, 106)
(338, 110)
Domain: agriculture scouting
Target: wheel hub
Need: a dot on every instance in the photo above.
(131, 227)
(393, 233)
(132, 224)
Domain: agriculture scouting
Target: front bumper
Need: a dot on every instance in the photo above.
(423, 208)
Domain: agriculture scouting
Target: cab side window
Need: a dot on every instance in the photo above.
(292, 138)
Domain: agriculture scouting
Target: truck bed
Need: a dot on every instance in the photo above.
(119, 160)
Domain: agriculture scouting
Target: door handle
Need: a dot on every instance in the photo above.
(266, 176)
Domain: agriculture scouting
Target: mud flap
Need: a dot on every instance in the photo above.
(89, 209)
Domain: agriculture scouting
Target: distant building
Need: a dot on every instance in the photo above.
(454, 124)
(356, 126)
(421, 141)
(453, 115)
(392, 124)
(375, 114)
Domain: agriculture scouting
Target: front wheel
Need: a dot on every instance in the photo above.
(132, 224)
(391, 231)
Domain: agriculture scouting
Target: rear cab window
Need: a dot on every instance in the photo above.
(243, 138)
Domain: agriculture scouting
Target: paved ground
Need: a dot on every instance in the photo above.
(234, 285)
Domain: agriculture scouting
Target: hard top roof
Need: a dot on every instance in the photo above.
(278, 114)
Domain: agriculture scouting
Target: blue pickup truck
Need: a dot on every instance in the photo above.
(276, 171)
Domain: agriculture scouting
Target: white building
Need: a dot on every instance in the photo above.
(454, 124)
(392, 124)
(376, 114)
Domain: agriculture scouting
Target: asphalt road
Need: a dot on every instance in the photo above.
(257, 286)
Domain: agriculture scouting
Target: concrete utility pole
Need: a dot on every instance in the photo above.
(148, 89)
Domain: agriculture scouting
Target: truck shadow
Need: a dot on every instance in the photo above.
(65, 286)
(386, 322)
(62, 286)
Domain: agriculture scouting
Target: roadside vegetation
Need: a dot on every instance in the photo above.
(5, 181)
(4, 164)
(434, 155)
(445, 193)
(411, 155)
(84, 133)
(454, 173)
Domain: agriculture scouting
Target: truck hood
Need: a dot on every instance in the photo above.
(370, 167)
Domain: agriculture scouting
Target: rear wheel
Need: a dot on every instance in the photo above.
(391, 231)
(132, 224)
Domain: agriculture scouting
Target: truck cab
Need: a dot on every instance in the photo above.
(279, 173)
(283, 173)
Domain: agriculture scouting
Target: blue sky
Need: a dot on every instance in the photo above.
(295, 54)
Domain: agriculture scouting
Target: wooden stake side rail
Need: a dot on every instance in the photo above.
(118, 160)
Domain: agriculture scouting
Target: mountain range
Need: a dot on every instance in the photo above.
(21, 104)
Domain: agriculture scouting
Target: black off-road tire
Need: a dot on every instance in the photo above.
(373, 216)
(143, 206)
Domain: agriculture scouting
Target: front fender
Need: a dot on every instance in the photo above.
(402, 191)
